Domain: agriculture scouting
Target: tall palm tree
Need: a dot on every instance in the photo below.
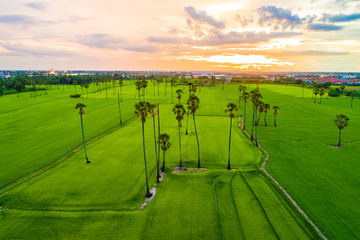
(241, 89)
(158, 159)
(179, 112)
(165, 144)
(255, 98)
(172, 83)
(121, 84)
(231, 107)
(119, 106)
(352, 95)
(191, 86)
(144, 86)
(193, 105)
(142, 109)
(86, 85)
(222, 80)
(341, 121)
(275, 108)
(153, 114)
(179, 92)
(81, 107)
(316, 92)
(245, 97)
(261, 107)
(321, 93)
(266, 109)
(138, 85)
(74, 83)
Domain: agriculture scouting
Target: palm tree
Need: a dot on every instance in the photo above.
(341, 121)
(86, 85)
(193, 105)
(179, 111)
(153, 114)
(172, 83)
(191, 86)
(255, 98)
(223, 80)
(352, 95)
(261, 108)
(303, 84)
(142, 109)
(121, 84)
(231, 107)
(242, 89)
(75, 83)
(81, 107)
(165, 144)
(275, 108)
(316, 92)
(138, 85)
(119, 105)
(179, 92)
(266, 109)
(245, 97)
(144, 86)
(321, 93)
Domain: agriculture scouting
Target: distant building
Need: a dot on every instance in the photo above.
(51, 72)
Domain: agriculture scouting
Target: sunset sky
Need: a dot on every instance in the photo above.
(203, 35)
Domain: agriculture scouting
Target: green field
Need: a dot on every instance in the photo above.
(69, 199)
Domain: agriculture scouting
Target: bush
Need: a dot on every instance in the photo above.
(75, 95)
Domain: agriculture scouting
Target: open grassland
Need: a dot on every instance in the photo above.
(74, 200)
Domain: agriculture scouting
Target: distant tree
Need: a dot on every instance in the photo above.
(275, 108)
(144, 85)
(172, 84)
(321, 93)
(261, 108)
(121, 84)
(179, 112)
(193, 106)
(341, 121)
(142, 109)
(179, 92)
(230, 108)
(165, 145)
(81, 107)
(138, 85)
(18, 88)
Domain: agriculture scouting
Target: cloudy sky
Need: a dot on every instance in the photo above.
(203, 35)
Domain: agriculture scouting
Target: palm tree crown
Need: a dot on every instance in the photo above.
(231, 107)
(341, 121)
(81, 107)
(179, 111)
(164, 141)
(142, 109)
(193, 103)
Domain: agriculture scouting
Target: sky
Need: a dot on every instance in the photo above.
(163, 35)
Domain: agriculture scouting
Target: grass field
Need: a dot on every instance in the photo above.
(101, 200)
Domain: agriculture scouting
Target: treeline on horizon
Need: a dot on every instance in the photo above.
(41, 81)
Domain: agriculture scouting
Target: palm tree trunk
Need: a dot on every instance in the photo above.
(320, 99)
(187, 123)
(180, 143)
(257, 123)
(144, 94)
(119, 109)
(156, 156)
(315, 99)
(163, 167)
(106, 89)
(265, 119)
(172, 101)
(339, 137)
(148, 194)
(239, 102)
(82, 129)
(158, 159)
(121, 93)
(197, 139)
(229, 143)
(252, 123)
(158, 87)
(275, 120)
(244, 115)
